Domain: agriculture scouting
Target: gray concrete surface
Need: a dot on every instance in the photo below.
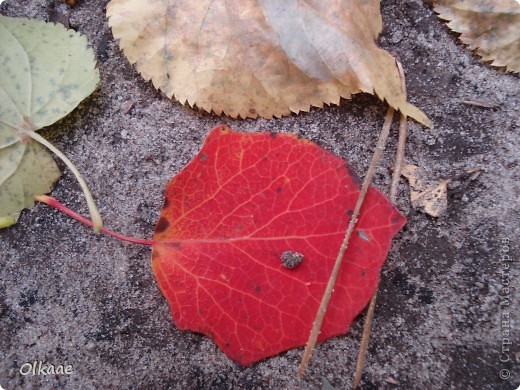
(70, 297)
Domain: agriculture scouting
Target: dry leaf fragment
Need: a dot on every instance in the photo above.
(432, 197)
(492, 27)
(253, 58)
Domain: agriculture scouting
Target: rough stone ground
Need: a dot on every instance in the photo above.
(68, 296)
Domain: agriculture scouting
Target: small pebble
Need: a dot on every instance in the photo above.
(291, 259)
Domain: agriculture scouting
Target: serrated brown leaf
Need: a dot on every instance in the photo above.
(263, 58)
(491, 27)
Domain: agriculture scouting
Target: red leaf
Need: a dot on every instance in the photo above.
(227, 221)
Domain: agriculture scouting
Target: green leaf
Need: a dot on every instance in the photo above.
(46, 71)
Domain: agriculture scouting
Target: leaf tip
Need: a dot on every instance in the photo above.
(410, 110)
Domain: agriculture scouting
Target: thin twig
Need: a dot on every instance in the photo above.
(399, 161)
(316, 326)
(479, 103)
(367, 329)
(399, 158)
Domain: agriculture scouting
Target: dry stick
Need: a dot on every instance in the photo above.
(316, 326)
(363, 347)
(398, 165)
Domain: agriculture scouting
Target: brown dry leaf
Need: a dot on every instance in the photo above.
(490, 26)
(432, 197)
(252, 58)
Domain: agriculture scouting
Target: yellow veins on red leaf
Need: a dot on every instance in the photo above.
(234, 212)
